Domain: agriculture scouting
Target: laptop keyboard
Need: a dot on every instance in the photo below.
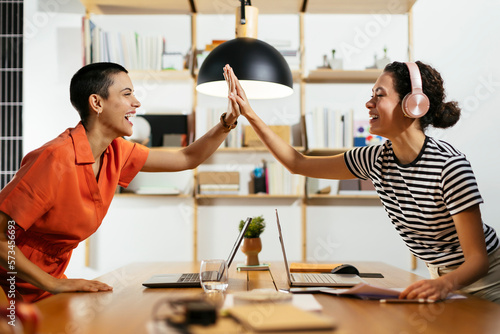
(192, 277)
(315, 278)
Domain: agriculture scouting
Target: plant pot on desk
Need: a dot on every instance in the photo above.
(252, 247)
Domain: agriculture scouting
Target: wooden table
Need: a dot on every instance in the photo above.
(129, 308)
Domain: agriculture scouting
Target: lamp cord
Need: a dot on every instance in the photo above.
(243, 4)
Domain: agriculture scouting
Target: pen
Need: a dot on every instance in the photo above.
(418, 301)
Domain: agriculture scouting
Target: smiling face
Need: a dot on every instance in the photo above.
(119, 107)
(386, 116)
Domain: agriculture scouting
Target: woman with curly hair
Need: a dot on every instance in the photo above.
(427, 187)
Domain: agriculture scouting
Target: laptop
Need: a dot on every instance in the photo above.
(315, 279)
(191, 280)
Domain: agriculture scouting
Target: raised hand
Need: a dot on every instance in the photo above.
(232, 106)
(236, 93)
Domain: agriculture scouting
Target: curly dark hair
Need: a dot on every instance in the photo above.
(91, 79)
(441, 114)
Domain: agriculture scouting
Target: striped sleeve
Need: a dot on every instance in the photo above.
(459, 186)
(360, 160)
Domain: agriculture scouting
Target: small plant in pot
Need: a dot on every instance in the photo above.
(252, 243)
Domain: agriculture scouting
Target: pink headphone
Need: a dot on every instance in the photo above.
(415, 104)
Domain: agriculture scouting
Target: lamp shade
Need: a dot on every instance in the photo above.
(261, 69)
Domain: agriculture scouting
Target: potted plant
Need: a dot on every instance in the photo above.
(252, 243)
(384, 60)
(336, 63)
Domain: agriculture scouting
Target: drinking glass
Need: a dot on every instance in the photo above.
(214, 275)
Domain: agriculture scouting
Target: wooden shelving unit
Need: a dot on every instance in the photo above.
(250, 196)
(302, 76)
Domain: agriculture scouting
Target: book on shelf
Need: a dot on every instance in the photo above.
(132, 50)
(218, 183)
(207, 118)
(356, 187)
(329, 128)
(280, 181)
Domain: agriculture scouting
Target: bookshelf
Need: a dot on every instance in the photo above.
(302, 76)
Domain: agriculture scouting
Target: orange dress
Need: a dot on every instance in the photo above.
(56, 201)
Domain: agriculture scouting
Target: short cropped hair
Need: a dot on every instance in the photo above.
(91, 79)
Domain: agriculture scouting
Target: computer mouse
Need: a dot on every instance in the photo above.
(345, 269)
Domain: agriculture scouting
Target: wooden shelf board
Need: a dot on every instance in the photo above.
(353, 196)
(343, 76)
(359, 6)
(250, 149)
(166, 148)
(297, 75)
(249, 196)
(264, 6)
(326, 151)
(151, 7)
(131, 194)
(144, 7)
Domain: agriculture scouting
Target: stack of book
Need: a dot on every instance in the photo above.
(206, 118)
(132, 50)
(329, 128)
(281, 182)
(219, 183)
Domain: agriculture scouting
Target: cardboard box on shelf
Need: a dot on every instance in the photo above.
(252, 140)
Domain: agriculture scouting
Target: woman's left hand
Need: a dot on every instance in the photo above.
(429, 289)
(232, 107)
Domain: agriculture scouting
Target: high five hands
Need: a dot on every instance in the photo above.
(236, 94)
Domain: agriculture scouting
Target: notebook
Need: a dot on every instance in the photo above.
(315, 279)
(188, 280)
(279, 317)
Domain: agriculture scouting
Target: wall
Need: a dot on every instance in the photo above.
(454, 36)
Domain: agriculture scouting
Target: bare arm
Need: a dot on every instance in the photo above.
(471, 236)
(13, 260)
(331, 167)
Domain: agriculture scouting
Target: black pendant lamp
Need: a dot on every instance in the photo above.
(261, 69)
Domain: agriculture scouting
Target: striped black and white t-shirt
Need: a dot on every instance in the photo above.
(421, 197)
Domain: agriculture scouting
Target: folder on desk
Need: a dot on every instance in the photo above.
(296, 267)
(273, 317)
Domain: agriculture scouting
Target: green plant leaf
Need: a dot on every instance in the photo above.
(256, 227)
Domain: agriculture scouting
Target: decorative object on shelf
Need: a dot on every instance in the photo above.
(172, 61)
(259, 179)
(261, 69)
(252, 244)
(219, 183)
(326, 64)
(336, 63)
(167, 124)
(251, 139)
(142, 131)
(382, 62)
